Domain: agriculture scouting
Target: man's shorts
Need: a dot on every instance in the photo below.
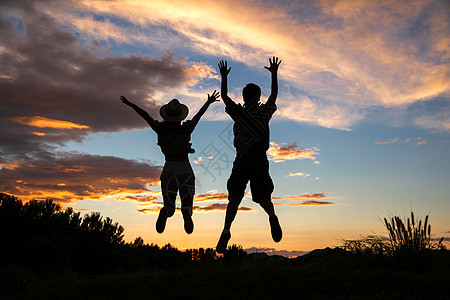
(255, 170)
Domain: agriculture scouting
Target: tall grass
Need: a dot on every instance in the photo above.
(409, 237)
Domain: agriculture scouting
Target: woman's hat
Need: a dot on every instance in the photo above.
(174, 111)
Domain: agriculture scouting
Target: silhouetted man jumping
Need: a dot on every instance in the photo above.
(174, 139)
(251, 140)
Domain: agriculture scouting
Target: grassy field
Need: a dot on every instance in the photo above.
(331, 275)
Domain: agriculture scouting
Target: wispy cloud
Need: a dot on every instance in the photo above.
(420, 141)
(298, 174)
(41, 122)
(292, 151)
(390, 141)
(211, 207)
(219, 207)
(345, 61)
(313, 203)
(198, 161)
(309, 196)
(151, 210)
(439, 122)
(211, 197)
(214, 207)
(343, 54)
(311, 199)
(144, 199)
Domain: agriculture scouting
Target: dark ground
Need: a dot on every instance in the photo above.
(331, 275)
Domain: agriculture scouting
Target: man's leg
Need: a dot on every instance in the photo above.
(275, 227)
(232, 209)
(267, 205)
(262, 187)
(236, 185)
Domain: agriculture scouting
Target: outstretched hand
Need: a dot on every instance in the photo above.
(223, 68)
(213, 97)
(274, 64)
(124, 100)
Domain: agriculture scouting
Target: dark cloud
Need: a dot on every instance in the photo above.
(76, 177)
(46, 72)
(309, 196)
(309, 199)
(315, 196)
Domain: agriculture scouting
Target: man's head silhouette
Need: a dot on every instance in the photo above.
(251, 94)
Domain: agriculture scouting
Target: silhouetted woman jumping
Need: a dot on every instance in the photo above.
(174, 139)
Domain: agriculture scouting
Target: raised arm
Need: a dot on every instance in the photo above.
(224, 71)
(211, 99)
(273, 68)
(140, 111)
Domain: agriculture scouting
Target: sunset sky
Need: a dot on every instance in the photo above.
(362, 129)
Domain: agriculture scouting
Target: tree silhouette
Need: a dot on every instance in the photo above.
(40, 235)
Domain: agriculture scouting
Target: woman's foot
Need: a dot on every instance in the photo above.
(188, 223)
(161, 221)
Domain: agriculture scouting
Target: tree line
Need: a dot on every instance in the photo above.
(42, 236)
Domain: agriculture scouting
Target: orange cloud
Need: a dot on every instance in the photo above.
(309, 196)
(290, 152)
(309, 199)
(421, 141)
(9, 166)
(140, 198)
(219, 207)
(355, 55)
(42, 122)
(78, 177)
(342, 54)
(147, 211)
(391, 141)
(211, 197)
(199, 71)
(39, 133)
